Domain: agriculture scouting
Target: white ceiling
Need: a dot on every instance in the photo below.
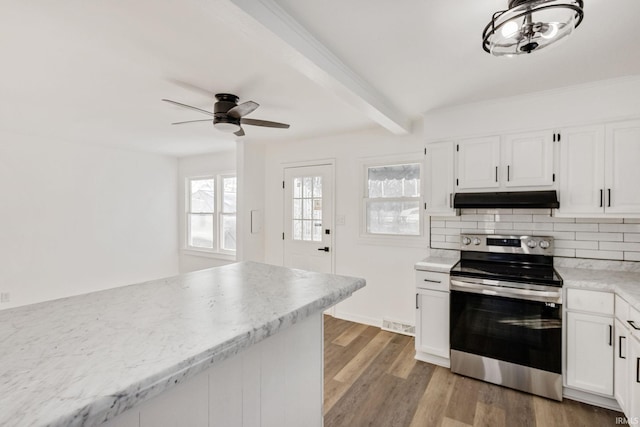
(96, 71)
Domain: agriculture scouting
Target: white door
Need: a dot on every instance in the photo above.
(622, 170)
(478, 163)
(582, 170)
(308, 218)
(528, 158)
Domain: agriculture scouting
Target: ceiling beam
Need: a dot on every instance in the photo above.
(303, 51)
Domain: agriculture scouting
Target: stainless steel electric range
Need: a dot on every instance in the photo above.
(506, 313)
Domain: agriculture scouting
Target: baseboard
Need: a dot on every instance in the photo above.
(591, 399)
(435, 360)
(357, 318)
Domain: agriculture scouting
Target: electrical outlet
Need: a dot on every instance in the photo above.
(5, 297)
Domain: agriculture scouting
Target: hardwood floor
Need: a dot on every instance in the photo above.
(372, 379)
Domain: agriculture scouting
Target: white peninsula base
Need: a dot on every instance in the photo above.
(276, 382)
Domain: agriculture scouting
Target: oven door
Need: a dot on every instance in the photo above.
(521, 326)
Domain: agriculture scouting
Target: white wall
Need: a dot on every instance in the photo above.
(388, 269)
(193, 166)
(77, 218)
(576, 105)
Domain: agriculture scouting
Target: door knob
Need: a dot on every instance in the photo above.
(326, 249)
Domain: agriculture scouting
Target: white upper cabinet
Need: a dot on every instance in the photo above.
(582, 170)
(479, 163)
(622, 167)
(518, 160)
(439, 178)
(529, 159)
(599, 171)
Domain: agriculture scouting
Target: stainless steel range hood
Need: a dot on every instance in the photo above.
(516, 200)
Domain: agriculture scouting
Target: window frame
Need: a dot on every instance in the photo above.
(217, 250)
(417, 240)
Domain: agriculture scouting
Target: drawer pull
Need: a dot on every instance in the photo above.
(633, 325)
(620, 356)
(432, 281)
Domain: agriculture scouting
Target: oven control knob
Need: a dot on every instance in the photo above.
(544, 244)
(476, 241)
(466, 240)
(532, 244)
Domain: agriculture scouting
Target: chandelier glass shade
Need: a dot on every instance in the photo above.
(531, 25)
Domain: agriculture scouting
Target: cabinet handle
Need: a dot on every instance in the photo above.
(432, 281)
(496, 174)
(508, 172)
(610, 335)
(601, 196)
(416, 301)
(637, 369)
(633, 325)
(609, 194)
(620, 356)
(450, 200)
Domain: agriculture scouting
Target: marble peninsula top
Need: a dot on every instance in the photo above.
(81, 360)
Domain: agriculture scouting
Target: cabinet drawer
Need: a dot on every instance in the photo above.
(432, 280)
(591, 301)
(622, 310)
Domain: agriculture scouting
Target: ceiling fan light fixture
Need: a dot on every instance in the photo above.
(531, 25)
(227, 127)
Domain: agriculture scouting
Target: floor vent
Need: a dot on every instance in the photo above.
(398, 327)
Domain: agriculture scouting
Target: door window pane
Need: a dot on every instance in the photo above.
(307, 206)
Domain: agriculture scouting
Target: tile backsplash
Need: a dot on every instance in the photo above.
(596, 238)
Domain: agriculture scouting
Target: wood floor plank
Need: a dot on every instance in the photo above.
(518, 408)
(405, 361)
(361, 361)
(549, 413)
(448, 422)
(460, 406)
(351, 333)
(582, 414)
(334, 327)
(434, 401)
(489, 416)
(337, 357)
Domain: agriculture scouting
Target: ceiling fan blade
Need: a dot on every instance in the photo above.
(239, 132)
(265, 123)
(192, 121)
(188, 106)
(243, 109)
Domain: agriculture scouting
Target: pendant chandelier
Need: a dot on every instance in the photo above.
(531, 25)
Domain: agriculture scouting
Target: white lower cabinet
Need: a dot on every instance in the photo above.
(590, 340)
(432, 318)
(621, 381)
(590, 353)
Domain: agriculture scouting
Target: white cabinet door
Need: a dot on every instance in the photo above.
(622, 170)
(590, 353)
(478, 163)
(528, 159)
(440, 177)
(581, 171)
(633, 377)
(620, 368)
(432, 322)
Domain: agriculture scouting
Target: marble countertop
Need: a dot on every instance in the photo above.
(436, 263)
(624, 283)
(81, 360)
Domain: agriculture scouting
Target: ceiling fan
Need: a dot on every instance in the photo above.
(228, 115)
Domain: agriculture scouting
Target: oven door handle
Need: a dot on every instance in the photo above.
(502, 291)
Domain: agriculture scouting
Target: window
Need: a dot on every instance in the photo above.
(211, 213)
(392, 200)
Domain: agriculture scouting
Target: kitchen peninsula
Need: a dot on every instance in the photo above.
(233, 345)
